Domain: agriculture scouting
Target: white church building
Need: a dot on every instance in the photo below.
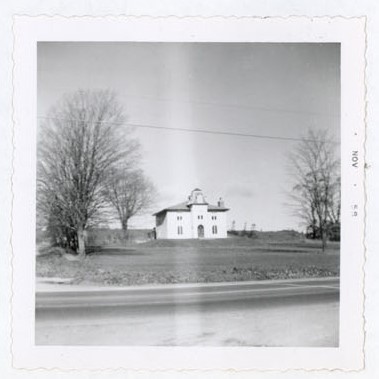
(194, 218)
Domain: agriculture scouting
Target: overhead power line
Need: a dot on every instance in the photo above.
(187, 130)
(236, 106)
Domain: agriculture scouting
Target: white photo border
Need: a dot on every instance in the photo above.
(350, 33)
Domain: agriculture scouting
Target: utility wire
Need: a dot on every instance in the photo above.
(237, 106)
(203, 131)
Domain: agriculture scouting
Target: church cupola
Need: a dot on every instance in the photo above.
(197, 197)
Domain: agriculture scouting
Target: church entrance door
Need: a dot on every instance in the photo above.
(200, 231)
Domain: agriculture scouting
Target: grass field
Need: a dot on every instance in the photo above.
(193, 261)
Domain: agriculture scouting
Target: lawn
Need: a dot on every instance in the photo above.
(192, 261)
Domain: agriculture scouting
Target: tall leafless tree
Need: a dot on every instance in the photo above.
(129, 192)
(315, 195)
(79, 142)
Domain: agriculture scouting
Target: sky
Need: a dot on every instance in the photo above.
(278, 90)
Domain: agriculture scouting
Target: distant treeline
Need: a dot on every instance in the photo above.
(109, 237)
(270, 235)
(104, 237)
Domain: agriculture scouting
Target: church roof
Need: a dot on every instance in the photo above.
(216, 208)
(185, 207)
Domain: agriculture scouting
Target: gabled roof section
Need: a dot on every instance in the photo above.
(181, 207)
(213, 208)
(185, 207)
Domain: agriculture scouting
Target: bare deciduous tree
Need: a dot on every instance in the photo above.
(129, 192)
(315, 195)
(81, 139)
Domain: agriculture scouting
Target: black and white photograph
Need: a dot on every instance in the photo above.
(188, 194)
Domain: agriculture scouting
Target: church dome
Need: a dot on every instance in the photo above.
(197, 197)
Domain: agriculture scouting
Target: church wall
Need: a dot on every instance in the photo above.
(220, 222)
(174, 223)
(199, 216)
(189, 221)
(161, 230)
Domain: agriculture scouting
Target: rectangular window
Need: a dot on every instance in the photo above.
(180, 230)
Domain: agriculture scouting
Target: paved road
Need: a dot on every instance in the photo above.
(139, 296)
(272, 313)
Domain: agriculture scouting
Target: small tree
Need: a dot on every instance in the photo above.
(80, 141)
(129, 192)
(315, 195)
